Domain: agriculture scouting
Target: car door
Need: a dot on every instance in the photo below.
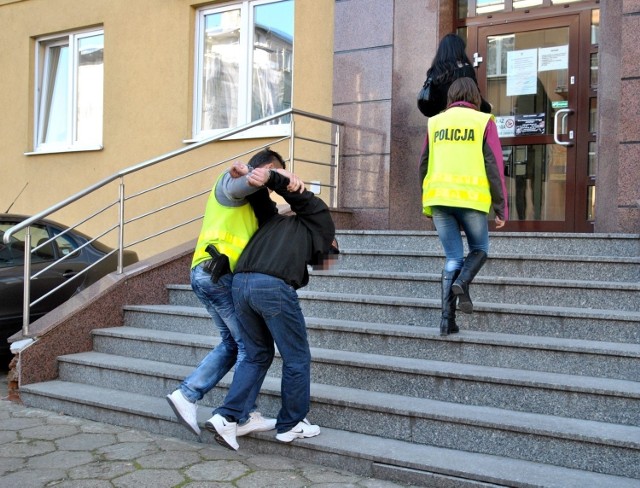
(46, 276)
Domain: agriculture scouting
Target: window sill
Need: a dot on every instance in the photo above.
(281, 130)
(52, 150)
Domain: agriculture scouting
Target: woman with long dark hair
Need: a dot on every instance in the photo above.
(450, 63)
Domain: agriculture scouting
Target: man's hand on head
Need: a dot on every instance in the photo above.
(238, 169)
(295, 183)
(258, 177)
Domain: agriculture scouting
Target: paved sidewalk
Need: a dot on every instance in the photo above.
(44, 449)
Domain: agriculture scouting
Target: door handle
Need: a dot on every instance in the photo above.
(69, 274)
(565, 112)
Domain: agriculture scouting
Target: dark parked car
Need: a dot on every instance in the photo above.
(66, 271)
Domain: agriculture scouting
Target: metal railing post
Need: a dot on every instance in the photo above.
(121, 228)
(26, 303)
(292, 143)
(336, 174)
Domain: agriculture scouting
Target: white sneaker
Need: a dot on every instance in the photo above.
(184, 410)
(256, 423)
(223, 431)
(303, 429)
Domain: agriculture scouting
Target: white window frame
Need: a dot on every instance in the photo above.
(42, 72)
(246, 8)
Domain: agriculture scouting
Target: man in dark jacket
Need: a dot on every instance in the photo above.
(270, 270)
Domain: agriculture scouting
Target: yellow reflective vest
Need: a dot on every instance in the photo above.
(456, 175)
(227, 228)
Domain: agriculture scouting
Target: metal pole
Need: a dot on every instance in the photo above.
(26, 303)
(336, 174)
(121, 229)
(292, 143)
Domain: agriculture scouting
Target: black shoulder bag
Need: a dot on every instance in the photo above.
(424, 95)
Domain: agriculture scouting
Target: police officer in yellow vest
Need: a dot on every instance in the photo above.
(228, 224)
(462, 175)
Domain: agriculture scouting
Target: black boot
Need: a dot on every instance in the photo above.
(448, 320)
(472, 264)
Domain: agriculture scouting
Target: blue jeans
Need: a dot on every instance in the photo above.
(217, 299)
(448, 221)
(268, 310)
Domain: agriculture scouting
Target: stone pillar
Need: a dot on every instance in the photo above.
(618, 173)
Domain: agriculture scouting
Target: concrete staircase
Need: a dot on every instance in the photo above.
(540, 388)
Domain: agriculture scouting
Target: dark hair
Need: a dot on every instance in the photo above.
(451, 51)
(265, 157)
(464, 90)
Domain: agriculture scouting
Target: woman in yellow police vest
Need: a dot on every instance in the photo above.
(462, 175)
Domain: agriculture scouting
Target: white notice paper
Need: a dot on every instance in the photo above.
(522, 72)
(552, 58)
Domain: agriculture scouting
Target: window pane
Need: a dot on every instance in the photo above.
(591, 202)
(486, 6)
(594, 71)
(89, 90)
(593, 159)
(221, 70)
(272, 59)
(526, 3)
(463, 8)
(595, 26)
(55, 95)
(593, 115)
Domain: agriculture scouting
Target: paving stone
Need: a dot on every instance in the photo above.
(134, 436)
(272, 462)
(8, 465)
(149, 478)
(209, 484)
(60, 460)
(172, 460)
(8, 436)
(32, 478)
(86, 442)
(104, 470)
(26, 449)
(275, 479)
(14, 423)
(217, 471)
(49, 432)
(319, 474)
(85, 484)
(127, 450)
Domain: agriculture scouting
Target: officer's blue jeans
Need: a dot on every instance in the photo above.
(217, 299)
(268, 311)
(449, 221)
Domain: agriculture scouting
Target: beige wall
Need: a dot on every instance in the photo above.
(148, 92)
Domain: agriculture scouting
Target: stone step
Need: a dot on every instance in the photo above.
(589, 398)
(545, 244)
(579, 444)
(591, 323)
(552, 354)
(538, 320)
(558, 267)
(390, 459)
(525, 291)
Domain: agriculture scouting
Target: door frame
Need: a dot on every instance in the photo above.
(577, 17)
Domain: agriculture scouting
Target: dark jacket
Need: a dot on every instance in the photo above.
(284, 245)
(438, 96)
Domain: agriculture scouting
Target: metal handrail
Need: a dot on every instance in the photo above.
(120, 202)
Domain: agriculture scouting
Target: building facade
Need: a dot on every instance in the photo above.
(560, 75)
(87, 92)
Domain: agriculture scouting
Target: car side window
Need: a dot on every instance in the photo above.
(12, 254)
(65, 245)
(41, 249)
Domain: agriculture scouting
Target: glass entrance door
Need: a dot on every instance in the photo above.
(530, 73)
